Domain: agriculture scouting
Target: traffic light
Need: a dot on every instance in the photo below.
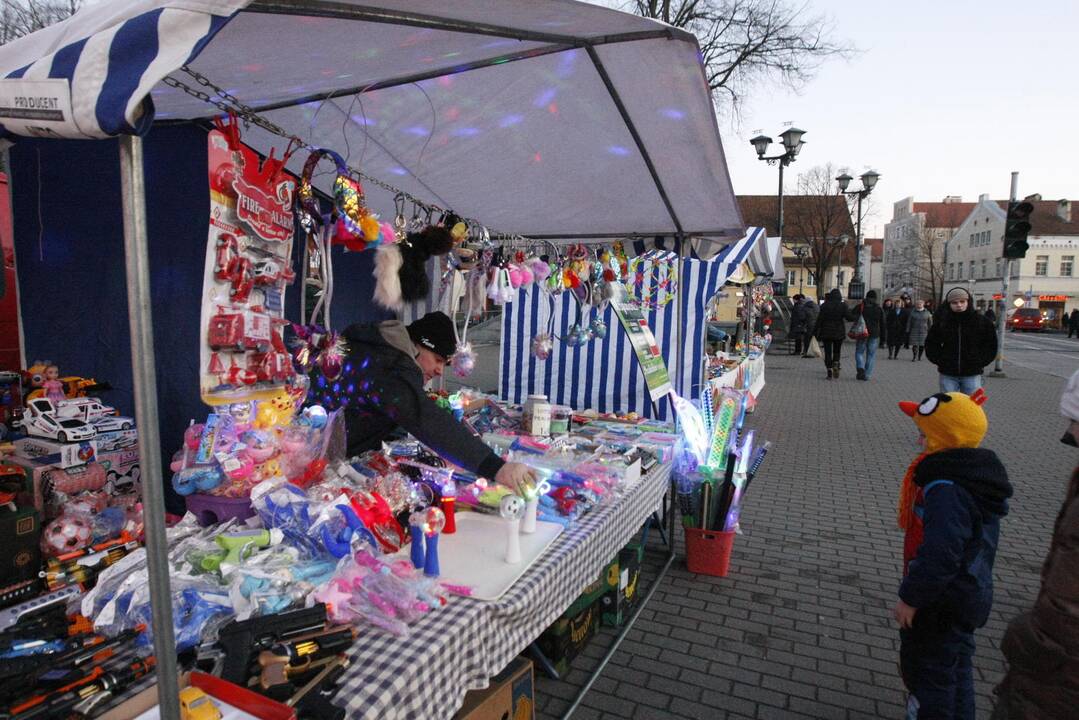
(1016, 227)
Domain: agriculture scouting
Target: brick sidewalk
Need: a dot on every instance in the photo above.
(802, 626)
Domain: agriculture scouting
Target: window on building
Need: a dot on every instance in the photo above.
(959, 268)
(811, 280)
(1000, 267)
(983, 268)
(971, 270)
(972, 239)
(1066, 263)
(951, 270)
(1041, 265)
(792, 277)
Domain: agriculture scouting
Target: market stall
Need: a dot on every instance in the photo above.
(499, 130)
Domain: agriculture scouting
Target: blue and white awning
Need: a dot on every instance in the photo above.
(92, 78)
(738, 252)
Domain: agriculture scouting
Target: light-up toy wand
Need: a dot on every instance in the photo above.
(512, 509)
(433, 522)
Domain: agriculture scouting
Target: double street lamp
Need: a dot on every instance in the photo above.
(856, 289)
(792, 145)
(801, 252)
(837, 244)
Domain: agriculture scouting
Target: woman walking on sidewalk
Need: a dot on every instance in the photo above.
(918, 328)
(831, 328)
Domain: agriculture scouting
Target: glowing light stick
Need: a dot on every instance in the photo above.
(512, 508)
(734, 510)
(693, 427)
(528, 522)
(449, 507)
(717, 455)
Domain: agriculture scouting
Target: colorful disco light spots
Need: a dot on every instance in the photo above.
(618, 150)
(510, 121)
(672, 113)
(417, 130)
(537, 158)
(364, 121)
(253, 67)
(465, 132)
(545, 98)
(398, 170)
(452, 113)
(553, 108)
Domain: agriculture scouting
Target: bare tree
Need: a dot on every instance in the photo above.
(22, 17)
(817, 218)
(744, 42)
(929, 278)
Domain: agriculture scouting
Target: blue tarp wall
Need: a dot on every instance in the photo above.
(69, 248)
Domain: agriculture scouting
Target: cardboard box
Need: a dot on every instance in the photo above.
(569, 635)
(50, 452)
(510, 696)
(20, 536)
(115, 440)
(124, 476)
(36, 475)
(622, 598)
(596, 589)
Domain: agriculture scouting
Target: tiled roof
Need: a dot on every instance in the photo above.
(761, 210)
(876, 246)
(944, 215)
(1044, 221)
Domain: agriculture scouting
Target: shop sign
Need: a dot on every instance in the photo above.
(643, 342)
(1053, 298)
(40, 108)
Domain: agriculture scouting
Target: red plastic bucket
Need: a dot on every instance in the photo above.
(708, 552)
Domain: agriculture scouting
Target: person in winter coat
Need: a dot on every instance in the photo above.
(1073, 323)
(906, 307)
(991, 316)
(893, 327)
(799, 320)
(960, 343)
(918, 325)
(1042, 644)
(812, 311)
(831, 329)
(865, 349)
(380, 386)
(950, 506)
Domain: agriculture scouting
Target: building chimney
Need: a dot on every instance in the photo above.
(1064, 210)
(948, 199)
(984, 197)
(1036, 197)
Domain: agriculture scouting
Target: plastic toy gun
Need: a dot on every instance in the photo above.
(241, 641)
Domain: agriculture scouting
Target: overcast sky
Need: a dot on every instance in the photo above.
(947, 98)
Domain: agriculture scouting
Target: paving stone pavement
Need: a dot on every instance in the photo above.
(802, 627)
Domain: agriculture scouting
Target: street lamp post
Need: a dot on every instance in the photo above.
(792, 145)
(838, 243)
(856, 290)
(800, 252)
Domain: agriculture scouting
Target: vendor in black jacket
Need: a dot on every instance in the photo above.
(381, 388)
(960, 343)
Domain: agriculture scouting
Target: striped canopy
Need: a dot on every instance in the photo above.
(604, 374)
(546, 118)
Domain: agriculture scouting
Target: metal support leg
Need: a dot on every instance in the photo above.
(137, 256)
(633, 618)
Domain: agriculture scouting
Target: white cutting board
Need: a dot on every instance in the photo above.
(475, 555)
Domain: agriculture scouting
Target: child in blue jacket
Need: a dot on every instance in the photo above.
(952, 500)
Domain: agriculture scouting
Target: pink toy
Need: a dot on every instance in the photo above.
(91, 476)
(540, 269)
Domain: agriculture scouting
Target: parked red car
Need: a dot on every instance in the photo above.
(1027, 319)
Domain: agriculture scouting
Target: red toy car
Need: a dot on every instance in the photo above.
(245, 330)
(1026, 319)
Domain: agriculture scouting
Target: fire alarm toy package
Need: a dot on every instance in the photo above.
(248, 267)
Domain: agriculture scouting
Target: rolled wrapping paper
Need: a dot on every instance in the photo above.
(511, 509)
(528, 522)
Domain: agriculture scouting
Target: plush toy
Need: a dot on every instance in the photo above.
(401, 269)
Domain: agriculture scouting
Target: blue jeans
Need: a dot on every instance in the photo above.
(865, 354)
(965, 384)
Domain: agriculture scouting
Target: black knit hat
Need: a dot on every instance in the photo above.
(434, 331)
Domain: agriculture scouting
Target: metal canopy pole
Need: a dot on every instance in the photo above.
(137, 265)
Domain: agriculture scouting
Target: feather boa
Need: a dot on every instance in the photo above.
(907, 492)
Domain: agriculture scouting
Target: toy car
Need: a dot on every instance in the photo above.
(85, 409)
(197, 705)
(112, 423)
(63, 431)
(246, 330)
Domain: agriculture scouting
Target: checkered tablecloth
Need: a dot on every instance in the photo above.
(426, 675)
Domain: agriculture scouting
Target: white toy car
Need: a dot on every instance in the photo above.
(62, 430)
(111, 423)
(85, 409)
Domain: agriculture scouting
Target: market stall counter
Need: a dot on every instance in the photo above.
(460, 647)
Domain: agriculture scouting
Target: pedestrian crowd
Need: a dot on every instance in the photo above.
(952, 501)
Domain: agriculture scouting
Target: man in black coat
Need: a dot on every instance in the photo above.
(1073, 323)
(799, 318)
(381, 387)
(831, 329)
(865, 349)
(960, 343)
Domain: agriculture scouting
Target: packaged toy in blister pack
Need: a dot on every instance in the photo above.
(248, 267)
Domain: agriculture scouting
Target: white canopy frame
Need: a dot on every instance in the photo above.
(639, 152)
